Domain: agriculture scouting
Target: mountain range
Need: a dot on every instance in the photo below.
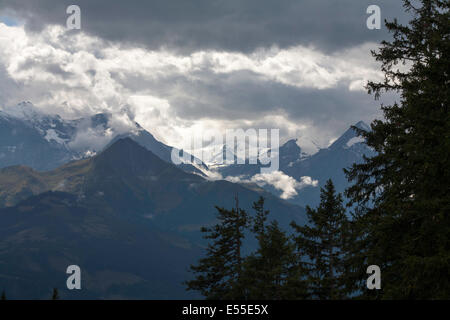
(305, 172)
(109, 199)
(44, 141)
(130, 220)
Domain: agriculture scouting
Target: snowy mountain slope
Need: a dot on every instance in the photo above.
(299, 170)
(44, 142)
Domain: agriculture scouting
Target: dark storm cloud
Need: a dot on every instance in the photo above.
(244, 95)
(234, 25)
(240, 97)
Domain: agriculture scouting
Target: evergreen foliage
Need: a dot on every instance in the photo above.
(322, 244)
(402, 194)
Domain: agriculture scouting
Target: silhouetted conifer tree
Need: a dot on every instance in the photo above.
(218, 275)
(321, 245)
(402, 220)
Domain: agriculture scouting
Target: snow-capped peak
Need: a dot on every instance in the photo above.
(362, 125)
(308, 146)
(24, 110)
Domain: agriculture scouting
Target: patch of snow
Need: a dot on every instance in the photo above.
(89, 153)
(51, 134)
(309, 146)
(24, 110)
(212, 174)
(353, 141)
(362, 125)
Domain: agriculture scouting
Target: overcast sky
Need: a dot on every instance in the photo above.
(185, 66)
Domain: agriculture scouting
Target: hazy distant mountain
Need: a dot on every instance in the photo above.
(33, 139)
(130, 220)
(42, 141)
(329, 163)
(318, 165)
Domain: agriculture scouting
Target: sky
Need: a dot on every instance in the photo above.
(183, 67)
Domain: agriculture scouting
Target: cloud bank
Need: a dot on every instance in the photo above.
(299, 89)
(231, 26)
(288, 186)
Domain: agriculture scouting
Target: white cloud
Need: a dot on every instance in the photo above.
(279, 180)
(91, 139)
(354, 140)
(301, 66)
(78, 74)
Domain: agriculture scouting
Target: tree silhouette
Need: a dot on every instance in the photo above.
(217, 276)
(273, 271)
(321, 243)
(401, 195)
